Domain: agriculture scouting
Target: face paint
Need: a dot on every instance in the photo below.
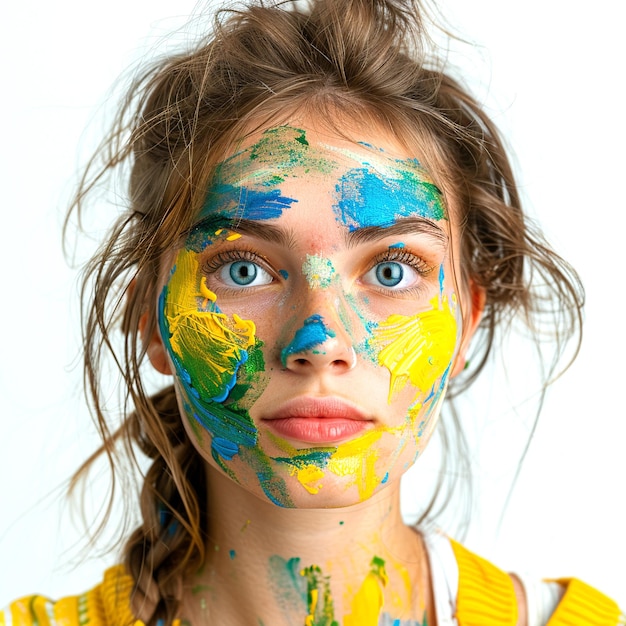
(207, 349)
(402, 186)
(312, 334)
(417, 349)
(230, 354)
(318, 271)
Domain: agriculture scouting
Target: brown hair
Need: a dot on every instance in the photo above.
(330, 59)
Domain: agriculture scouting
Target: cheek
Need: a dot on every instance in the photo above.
(207, 347)
(417, 350)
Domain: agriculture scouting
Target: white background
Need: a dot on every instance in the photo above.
(549, 73)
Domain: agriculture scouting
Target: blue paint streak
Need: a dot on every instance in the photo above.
(223, 447)
(365, 198)
(313, 333)
(441, 277)
(229, 428)
(397, 245)
(284, 274)
(232, 554)
(233, 201)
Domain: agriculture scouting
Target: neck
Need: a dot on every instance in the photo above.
(314, 567)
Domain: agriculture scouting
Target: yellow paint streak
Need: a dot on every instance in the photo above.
(312, 606)
(357, 458)
(206, 293)
(307, 475)
(190, 327)
(417, 349)
(233, 236)
(369, 599)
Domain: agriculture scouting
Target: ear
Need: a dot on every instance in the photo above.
(154, 344)
(471, 320)
(154, 347)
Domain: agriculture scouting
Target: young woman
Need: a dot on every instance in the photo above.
(321, 226)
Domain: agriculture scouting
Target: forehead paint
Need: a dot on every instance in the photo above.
(372, 196)
(240, 202)
(318, 271)
(247, 184)
(313, 333)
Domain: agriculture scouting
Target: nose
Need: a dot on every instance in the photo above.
(317, 347)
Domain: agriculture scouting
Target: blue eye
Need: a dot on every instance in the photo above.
(389, 274)
(244, 274)
(395, 275)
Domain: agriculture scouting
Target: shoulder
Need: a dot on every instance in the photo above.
(471, 591)
(107, 604)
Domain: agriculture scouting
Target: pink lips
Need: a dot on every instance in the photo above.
(318, 420)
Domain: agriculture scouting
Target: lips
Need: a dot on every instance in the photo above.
(318, 420)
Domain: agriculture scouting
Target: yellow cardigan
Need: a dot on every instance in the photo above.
(485, 598)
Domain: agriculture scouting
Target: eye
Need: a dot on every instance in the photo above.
(391, 275)
(244, 274)
(397, 270)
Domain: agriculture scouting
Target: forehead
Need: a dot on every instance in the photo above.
(371, 182)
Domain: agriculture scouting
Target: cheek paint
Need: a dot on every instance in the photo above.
(318, 271)
(313, 333)
(417, 350)
(208, 349)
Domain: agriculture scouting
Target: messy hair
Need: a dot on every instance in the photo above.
(364, 60)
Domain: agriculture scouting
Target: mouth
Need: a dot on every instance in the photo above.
(318, 420)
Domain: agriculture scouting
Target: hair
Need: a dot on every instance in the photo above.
(368, 60)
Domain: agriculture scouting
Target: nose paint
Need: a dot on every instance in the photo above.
(313, 333)
(318, 271)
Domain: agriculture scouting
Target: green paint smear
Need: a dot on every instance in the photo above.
(318, 457)
(273, 486)
(322, 609)
(289, 586)
(285, 150)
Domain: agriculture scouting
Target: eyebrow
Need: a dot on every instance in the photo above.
(404, 226)
(253, 228)
(359, 236)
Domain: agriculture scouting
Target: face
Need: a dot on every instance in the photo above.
(311, 318)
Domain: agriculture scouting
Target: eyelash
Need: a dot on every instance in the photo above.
(399, 255)
(402, 255)
(215, 263)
